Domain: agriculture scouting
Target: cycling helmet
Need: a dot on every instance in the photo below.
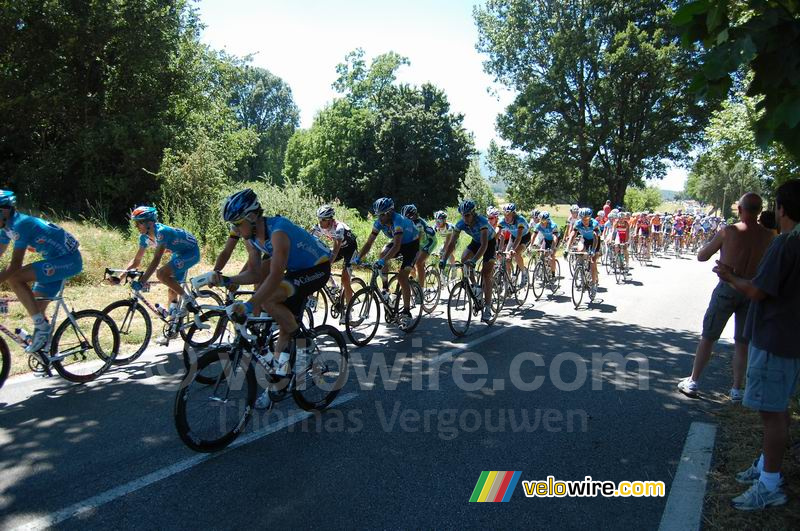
(584, 212)
(409, 211)
(325, 212)
(7, 199)
(613, 215)
(536, 213)
(601, 213)
(144, 213)
(492, 212)
(510, 207)
(574, 209)
(440, 215)
(545, 215)
(615, 211)
(382, 205)
(466, 206)
(240, 204)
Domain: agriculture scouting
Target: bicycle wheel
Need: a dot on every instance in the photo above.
(539, 281)
(209, 416)
(320, 372)
(498, 301)
(363, 316)
(432, 289)
(416, 307)
(338, 309)
(207, 336)
(555, 278)
(618, 265)
(459, 309)
(317, 304)
(520, 284)
(571, 263)
(578, 283)
(135, 328)
(5, 361)
(84, 345)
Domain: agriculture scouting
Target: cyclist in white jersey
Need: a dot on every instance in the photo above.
(445, 230)
(344, 245)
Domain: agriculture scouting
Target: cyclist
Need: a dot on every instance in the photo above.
(589, 230)
(61, 260)
(643, 231)
(444, 229)
(427, 240)
(299, 265)
(655, 225)
(482, 247)
(163, 238)
(344, 245)
(404, 245)
(621, 230)
(520, 238)
(503, 236)
(549, 231)
(573, 218)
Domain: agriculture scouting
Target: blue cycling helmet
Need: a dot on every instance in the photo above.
(510, 207)
(466, 206)
(585, 212)
(382, 206)
(240, 204)
(409, 211)
(545, 215)
(144, 213)
(7, 199)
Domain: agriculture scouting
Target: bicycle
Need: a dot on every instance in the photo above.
(364, 309)
(330, 299)
(466, 301)
(616, 263)
(512, 283)
(581, 280)
(542, 276)
(80, 349)
(643, 254)
(134, 322)
(215, 402)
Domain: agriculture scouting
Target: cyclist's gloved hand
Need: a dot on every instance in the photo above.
(356, 259)
(441, 264)
(136, 285)
(470, 262)
(239, 311)
(379, 263)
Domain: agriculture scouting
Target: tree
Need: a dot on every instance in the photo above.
(476, 188)
(762, 36)
(263, 101)
(642, 199)
(601, 96)
(382, 139)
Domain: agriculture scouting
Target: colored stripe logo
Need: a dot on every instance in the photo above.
(495, 486)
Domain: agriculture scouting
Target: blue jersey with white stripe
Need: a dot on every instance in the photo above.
(474, 230)
(397, 224)
(548, 231)
(587, 231)
(38, 235)
(177, 241)
(518, 224)
(305, 250)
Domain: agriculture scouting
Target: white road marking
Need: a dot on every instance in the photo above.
(101, 499)
(684, 508)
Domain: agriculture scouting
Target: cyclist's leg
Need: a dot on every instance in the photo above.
(408, 252)
(20, 283)
(346, 256)
(422, 260)
(488, 272)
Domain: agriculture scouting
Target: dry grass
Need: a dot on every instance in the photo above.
(738, 443)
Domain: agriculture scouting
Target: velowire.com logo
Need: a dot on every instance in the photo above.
(495, 486)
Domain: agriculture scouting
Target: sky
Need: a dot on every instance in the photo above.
(302, 41)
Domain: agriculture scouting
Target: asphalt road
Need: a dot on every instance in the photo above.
(402, 449)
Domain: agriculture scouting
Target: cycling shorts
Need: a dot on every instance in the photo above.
(51, 274)
(300, 284)
(656, 228)
(491, 249)
(346, 254)
(182, 264)
(408, 253)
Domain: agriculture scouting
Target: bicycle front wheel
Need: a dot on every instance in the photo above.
(459, 309)
(578, 285)
(539, 281)
(135, 329)
(363, 316)
(5, 361)
(432, 289)
(321, 372)
(209, 416)
(84, 346)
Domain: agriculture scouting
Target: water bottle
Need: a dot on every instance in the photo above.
(385, 295)
(161, 311)
(23, 335)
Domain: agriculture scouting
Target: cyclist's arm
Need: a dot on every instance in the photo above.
(484, 244)
(368, 244)
(337, 246)
(133, 264)
(450, 245)
(252, 272)
(277, 267)
(225, 254)
(159, 252)
(397, 241)
(15, 265)
(518, 240)
(711, 248)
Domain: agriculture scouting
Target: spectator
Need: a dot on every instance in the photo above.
(741, 246)
(767, 219)
(607, 209)
(774, 365)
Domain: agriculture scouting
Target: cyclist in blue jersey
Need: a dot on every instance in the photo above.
(163, 238)
(299, 265)
(520, 238)
(61, 260)
(589, 230)
(404, 244)
(427, 241)
(549, 231)
(482, 247)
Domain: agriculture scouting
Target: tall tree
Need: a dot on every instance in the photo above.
(601, 96)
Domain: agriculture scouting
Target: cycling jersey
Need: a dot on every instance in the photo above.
(47, 239)
(398, 224)
(427, 235)
(587, 231)
(177, 241)
(548, 231)
(474, 230)
(518, 227)
(445, 229)
(305, 251)
(337, 232)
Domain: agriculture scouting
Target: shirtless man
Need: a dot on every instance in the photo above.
(741, 248)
